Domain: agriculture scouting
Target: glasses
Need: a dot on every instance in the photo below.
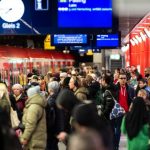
(123, 78)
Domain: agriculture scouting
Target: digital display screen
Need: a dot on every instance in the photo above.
(71, 39)
(85, 13)
(15, 17)
(108, 40)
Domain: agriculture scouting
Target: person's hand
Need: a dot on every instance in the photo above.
(62, 136)
(24, 142)
(18, 132)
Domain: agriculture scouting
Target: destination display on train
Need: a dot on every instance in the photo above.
(107, 40)
(85, 13)
(59, 39)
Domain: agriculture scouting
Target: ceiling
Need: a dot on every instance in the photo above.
(130, 13)
(133, 26)
(126, 24)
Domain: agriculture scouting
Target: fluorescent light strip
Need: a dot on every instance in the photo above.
(135, 40)
(147, 32)
(138, 38)
(140, 27)
(132, 42)
(143, 36)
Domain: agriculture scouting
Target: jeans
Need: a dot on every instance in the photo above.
(116, 125)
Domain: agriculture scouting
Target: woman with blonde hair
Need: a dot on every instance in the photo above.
(4, 98)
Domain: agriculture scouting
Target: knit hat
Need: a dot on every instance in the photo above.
(63, 74)
(33, 90)
(54, 85)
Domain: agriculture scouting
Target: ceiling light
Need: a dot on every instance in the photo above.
(143, 36)
(135, 40)
(146, 23)
(134, 33)
(136, 30)
(139, 38)
(125, 48)
(132, 42)
(147, 32)
(140, 27)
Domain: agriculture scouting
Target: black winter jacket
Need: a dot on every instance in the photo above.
(107, 103)
(54, 117)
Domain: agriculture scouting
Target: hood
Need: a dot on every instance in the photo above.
(36, 99)
(82, 90)
(67, 100)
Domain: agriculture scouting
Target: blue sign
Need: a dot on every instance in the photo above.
(85, 13)
(73, 39)
(107, 41)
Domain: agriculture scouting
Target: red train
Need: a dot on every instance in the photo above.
(15, 61)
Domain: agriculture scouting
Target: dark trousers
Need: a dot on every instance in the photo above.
(52, 143)
(116, 125)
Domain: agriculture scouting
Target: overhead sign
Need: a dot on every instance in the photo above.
(108, 40)
(47, 43)
(89, 52)
(85, 13)
(69, 39)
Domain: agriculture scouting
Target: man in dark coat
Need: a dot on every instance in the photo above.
(54, 117)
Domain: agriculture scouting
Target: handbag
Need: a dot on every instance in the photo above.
(117, 110)
(14, 118)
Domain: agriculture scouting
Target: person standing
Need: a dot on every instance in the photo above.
(18, 99)
(34, 121)
(135, 125)
(124, 95)
(80, 92)
(54, 117)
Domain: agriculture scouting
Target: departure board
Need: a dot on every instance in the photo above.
(108, 40)
(69, 39)
(84, 13)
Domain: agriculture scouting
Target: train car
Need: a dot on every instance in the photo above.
(16, 63)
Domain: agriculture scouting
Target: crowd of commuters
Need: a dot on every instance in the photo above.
(73, 106)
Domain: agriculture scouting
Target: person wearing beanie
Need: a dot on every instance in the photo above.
(34, 121)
